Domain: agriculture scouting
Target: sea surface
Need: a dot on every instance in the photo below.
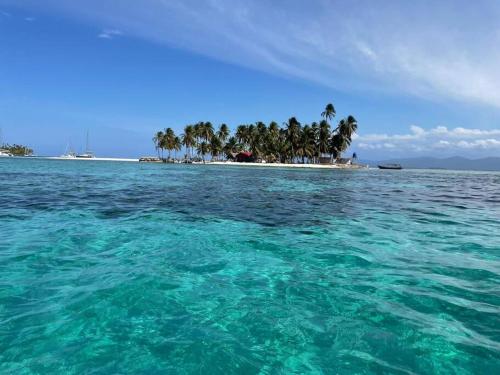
(128, 268)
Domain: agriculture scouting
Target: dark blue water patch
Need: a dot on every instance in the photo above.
(231, 194)
(235, 202)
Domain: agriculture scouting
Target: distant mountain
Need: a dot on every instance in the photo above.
(455, 163)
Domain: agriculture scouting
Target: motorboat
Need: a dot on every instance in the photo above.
(390, 166)
(85, 155)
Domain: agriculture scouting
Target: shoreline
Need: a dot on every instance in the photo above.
(270, 165)
(208, 163)
(285, 165)
(87, 159)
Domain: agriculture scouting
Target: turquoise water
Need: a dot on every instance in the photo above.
(121, 268)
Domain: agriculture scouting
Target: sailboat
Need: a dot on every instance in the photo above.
(87, 154)
(68, 153)
(3, 153)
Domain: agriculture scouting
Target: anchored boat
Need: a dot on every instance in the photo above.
(390, 166)
(68, 153)
(87, 154)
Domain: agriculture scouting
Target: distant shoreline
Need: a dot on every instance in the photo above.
(208, 163)
(364, 166)
(87, 159)
(285, 165)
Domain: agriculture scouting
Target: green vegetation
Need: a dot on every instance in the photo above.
(291, 143)
(17, 150)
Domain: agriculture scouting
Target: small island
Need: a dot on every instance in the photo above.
(293, 144)
(15, 150)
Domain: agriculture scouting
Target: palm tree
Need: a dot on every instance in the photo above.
(292, 135)
(203, 149)
(223, 133)
(206, 131)
(163, 143)
(157, 139)
(189, 139)
(283, 146)
(307, 145)
(338, 144)
(329, 112)
(315, 134)
(169, 138)
(348, 127)
(215, 147)
(342, 137)
(270, 147)
(260, 135)
(177, 145)
(323, 137)
(231, 146)
(242, 134)
(198, 127)
(253, 140)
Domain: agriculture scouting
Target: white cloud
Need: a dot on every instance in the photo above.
(29, 19)
(438, 139)
(480, 143)
(416, 130)
(109, 34)
(444, 49)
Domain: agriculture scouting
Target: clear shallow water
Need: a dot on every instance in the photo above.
(135, 268)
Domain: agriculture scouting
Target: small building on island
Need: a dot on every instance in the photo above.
(244, 157)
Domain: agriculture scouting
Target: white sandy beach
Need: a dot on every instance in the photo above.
(228, 163)
(91, 159)
(283, 165)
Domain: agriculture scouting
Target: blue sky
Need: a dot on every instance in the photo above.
(422, 79)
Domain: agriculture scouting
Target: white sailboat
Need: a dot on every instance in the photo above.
(68, 153)
(87, 154)
(3, 153)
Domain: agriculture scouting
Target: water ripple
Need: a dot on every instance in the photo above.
(136, 268)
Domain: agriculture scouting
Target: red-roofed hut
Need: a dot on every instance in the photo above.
(244, 157)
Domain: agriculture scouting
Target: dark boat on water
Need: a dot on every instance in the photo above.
(390, 166)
